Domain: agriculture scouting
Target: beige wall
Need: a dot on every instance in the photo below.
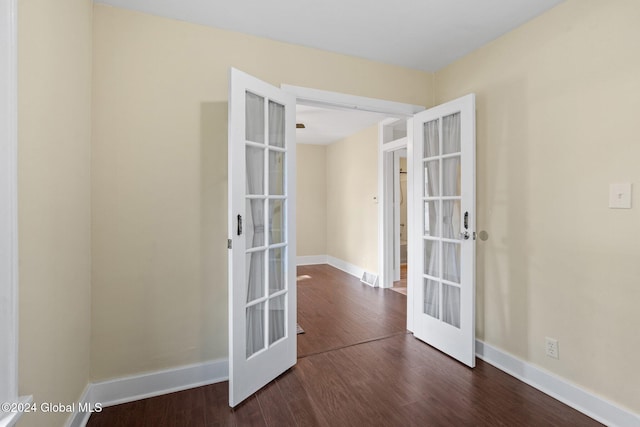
(557, 110)
(159, 176)
(352, 214)
(311, 199)
(54, 111)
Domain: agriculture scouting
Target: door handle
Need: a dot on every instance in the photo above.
(239, 225)
(465, 235)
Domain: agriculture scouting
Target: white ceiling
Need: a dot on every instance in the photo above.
(325, 126)
(419, 34)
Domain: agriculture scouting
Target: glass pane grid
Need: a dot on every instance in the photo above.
(442, 219)
(265, 223)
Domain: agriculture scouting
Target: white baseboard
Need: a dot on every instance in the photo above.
(559, 388)
(10, 419)
(137, 387)
(311, 260)
(353, 270)
(345, 266)
(78, 418)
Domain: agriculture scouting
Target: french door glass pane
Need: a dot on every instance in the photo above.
(431, 298)
(431, 139)
(255, 170)
(276, 124)
(255, 275)
(431, 259)
(451, 176)
(276, 221)
(431, 212)
(277, 317)
(276, 269)
(253, 226)
(451, 134)
(431, 178)
(255, 328)
(451, 219)
(254, 118)
(276, 173)
(451, 261)
(451, 305)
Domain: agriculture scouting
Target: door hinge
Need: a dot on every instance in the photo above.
(229, 245)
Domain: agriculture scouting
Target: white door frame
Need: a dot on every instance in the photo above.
(394, 110)
(8, 206)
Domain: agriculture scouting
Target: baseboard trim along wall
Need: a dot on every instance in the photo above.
(349, 268)
(80, 417)
(137, 387)
(151, 384)
(345, 266)
(560, 389)
(311, 260)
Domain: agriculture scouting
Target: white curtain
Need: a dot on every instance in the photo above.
(254, 129)
(276, 124)
(277, 263)
(431, 188)
(451, 219)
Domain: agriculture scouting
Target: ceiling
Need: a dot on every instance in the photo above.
(420, 34)
(325, 126)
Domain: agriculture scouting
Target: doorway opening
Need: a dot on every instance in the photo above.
(353, 202)
(400, 221)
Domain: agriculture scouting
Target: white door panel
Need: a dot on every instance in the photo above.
(262, 270)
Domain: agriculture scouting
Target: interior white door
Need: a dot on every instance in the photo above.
(262, 270)
(444, 199)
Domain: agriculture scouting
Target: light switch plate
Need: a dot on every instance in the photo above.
(620, 195)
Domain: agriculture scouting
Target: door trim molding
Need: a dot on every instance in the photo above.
(324, 98)
(9, 201)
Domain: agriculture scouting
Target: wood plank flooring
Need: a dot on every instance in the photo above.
(357, 366)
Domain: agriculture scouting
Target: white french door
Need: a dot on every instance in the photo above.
(443, 298)
(262, 269)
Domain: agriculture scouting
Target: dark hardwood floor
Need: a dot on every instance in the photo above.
(336, 310)
(357, 366)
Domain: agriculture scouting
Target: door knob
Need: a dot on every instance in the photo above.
(465, 235)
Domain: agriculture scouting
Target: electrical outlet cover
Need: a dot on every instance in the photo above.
(551, 347)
